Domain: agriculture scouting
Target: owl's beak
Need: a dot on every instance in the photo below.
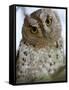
(46, 32)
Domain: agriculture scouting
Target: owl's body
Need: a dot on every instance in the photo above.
(41, 54)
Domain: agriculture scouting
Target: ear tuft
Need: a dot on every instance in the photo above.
(26, 20)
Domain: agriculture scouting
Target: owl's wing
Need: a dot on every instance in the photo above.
(17, 52)
(60, 75)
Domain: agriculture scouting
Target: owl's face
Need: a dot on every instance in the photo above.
(41, 28)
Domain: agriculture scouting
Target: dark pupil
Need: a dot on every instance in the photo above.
(47, 21)
(34, 29)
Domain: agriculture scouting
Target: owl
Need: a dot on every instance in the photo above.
(40, 56)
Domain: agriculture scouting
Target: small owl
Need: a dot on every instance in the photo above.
(40, 57)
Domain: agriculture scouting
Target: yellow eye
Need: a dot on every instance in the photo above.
(48, 20)
(34, 30)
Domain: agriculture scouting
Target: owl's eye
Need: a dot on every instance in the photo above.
(34, 30)
(48, 20)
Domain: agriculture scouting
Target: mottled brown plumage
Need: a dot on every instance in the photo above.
(41, 49)
(46, 34)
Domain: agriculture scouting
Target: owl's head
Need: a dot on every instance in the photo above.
(41, 28)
